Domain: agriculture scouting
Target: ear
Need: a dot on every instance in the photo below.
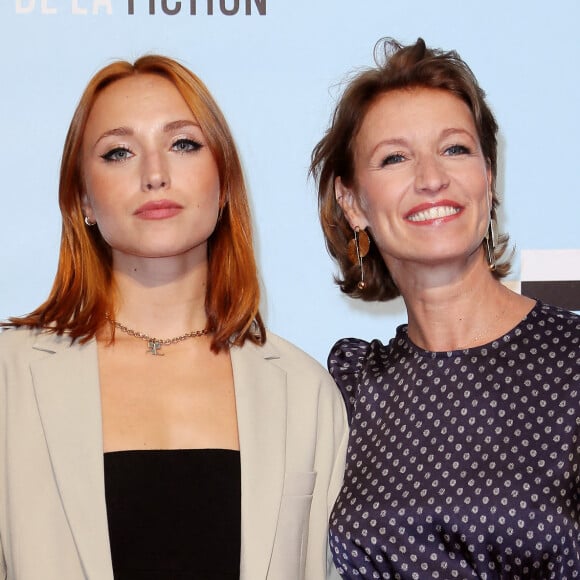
(350, 205)
(87, 207)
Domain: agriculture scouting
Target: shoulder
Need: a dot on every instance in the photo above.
(555, 312)
(283, 355)
(555, 319)
(24, 344)
(349, 356)
(292, 358)
(308, 383)
(32, 336)
(554, 333)
(13, 340)
(17, 352)
(347, 360)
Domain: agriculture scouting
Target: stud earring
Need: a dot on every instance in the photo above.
(357, 249)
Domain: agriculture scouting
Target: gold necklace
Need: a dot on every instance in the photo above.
(154, 344)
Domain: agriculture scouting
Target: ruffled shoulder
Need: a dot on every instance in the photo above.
(346, 361)
(347, 356)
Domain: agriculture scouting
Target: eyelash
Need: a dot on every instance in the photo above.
(452, 150)
(192, 145)
(458, 150)
(110, 156)
(392, 159)
(182, 146)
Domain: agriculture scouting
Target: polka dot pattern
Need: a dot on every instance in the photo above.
(462, 464)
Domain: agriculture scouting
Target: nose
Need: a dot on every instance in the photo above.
(155, 173)
(431, 176)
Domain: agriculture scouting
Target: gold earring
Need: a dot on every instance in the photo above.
(490, 245)
(357, 249)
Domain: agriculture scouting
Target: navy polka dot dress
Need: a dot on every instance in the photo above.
(462, 464)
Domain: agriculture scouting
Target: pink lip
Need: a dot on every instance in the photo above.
(423, 207)
(158, 209)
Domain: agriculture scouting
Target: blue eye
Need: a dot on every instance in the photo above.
(186, 145)
(457, 150)
(117, 154)
(393, 159)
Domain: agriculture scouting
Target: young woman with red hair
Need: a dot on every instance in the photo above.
(150, 426)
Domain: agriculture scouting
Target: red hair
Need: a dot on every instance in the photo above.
(83, 289)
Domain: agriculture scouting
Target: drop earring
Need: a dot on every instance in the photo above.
(357, 249)
(490, 245)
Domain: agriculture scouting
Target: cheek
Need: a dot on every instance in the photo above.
(485, 193)
(107, 193)
(378, 199)
(210, 185)
(95, 200)
(209, 206)
(94, 185)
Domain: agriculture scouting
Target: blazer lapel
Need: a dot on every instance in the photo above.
(67, 390)
(260, 388)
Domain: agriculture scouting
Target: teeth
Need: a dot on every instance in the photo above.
(433, 213)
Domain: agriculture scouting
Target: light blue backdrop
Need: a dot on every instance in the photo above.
(276, 76)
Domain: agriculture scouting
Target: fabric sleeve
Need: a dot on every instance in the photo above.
(346, 362)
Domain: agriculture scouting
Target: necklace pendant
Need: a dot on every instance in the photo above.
(153, 347)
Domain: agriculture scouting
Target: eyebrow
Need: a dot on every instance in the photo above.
(168, 128)
(117, 132)
(454, 130)
(175, 125)
(444, 134)
(394, 141)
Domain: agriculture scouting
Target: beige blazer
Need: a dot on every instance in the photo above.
(53, 520)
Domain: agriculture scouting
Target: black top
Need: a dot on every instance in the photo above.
(174, 514)
(462, 464)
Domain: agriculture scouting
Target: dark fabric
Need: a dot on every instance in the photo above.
(462, 464)
(174, 514)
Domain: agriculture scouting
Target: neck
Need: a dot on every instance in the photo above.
(450, 310)
(158, 298)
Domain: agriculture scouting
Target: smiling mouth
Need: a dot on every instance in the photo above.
(433, 213)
